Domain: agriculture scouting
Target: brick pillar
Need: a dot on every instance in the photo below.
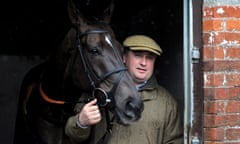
(221, 69)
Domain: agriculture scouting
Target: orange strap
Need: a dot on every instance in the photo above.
(46, 98)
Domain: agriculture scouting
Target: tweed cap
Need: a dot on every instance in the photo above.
(142, 43)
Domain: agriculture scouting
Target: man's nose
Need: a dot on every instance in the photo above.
(143, 60)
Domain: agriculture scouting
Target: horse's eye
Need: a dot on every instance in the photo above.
(94, 51)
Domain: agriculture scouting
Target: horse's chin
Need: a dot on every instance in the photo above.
(123, 123)
(125, 119)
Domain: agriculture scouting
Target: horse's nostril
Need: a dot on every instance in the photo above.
(130, 106)
(133, 110)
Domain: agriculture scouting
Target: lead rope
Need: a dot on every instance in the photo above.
(104, 139)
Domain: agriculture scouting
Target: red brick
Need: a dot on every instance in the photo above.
(210, 53)
(214, 107)
(233, 25)
(227, 11)
(213, 134)
(222, 65)
(213, 120)
(220, 142)
(233, 53)
(233, 134)
(213, 25)
(214, 80)
(233, 79)
(216, 38)
(233, 107)
(222, 93)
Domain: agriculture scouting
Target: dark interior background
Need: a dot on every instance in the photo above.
(32, 28)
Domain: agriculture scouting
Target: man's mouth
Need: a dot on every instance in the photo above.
(141, 70)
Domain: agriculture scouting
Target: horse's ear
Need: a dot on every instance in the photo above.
(107, 14)
(74, 14)
(82, 11)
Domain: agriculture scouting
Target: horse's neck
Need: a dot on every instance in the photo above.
(58, 88)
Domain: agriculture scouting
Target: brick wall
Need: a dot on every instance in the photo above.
(221, 67)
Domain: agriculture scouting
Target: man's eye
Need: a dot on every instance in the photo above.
(151, 57)
(137, 54)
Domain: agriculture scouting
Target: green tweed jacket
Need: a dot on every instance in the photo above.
(161, 122)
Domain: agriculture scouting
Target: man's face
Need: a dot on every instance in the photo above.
(140, 65)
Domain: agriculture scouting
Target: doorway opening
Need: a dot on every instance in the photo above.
(164, 23)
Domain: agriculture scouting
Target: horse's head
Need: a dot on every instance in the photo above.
(95, 63)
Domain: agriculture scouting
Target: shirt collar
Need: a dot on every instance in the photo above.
(138, 87)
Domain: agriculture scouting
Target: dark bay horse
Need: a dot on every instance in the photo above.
(89, 60)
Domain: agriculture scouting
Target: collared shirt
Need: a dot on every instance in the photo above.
(138, 87)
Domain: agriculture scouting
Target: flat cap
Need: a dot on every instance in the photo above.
(142, 43)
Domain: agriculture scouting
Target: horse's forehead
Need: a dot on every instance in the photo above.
(97, 38)
(92, 38)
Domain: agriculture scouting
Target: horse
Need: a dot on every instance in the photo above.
(88, 60)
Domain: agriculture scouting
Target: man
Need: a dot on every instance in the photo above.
(161, 122)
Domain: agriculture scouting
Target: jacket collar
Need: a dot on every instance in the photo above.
(150, 84)
(147, 91)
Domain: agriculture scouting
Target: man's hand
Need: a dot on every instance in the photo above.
(90, 114)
